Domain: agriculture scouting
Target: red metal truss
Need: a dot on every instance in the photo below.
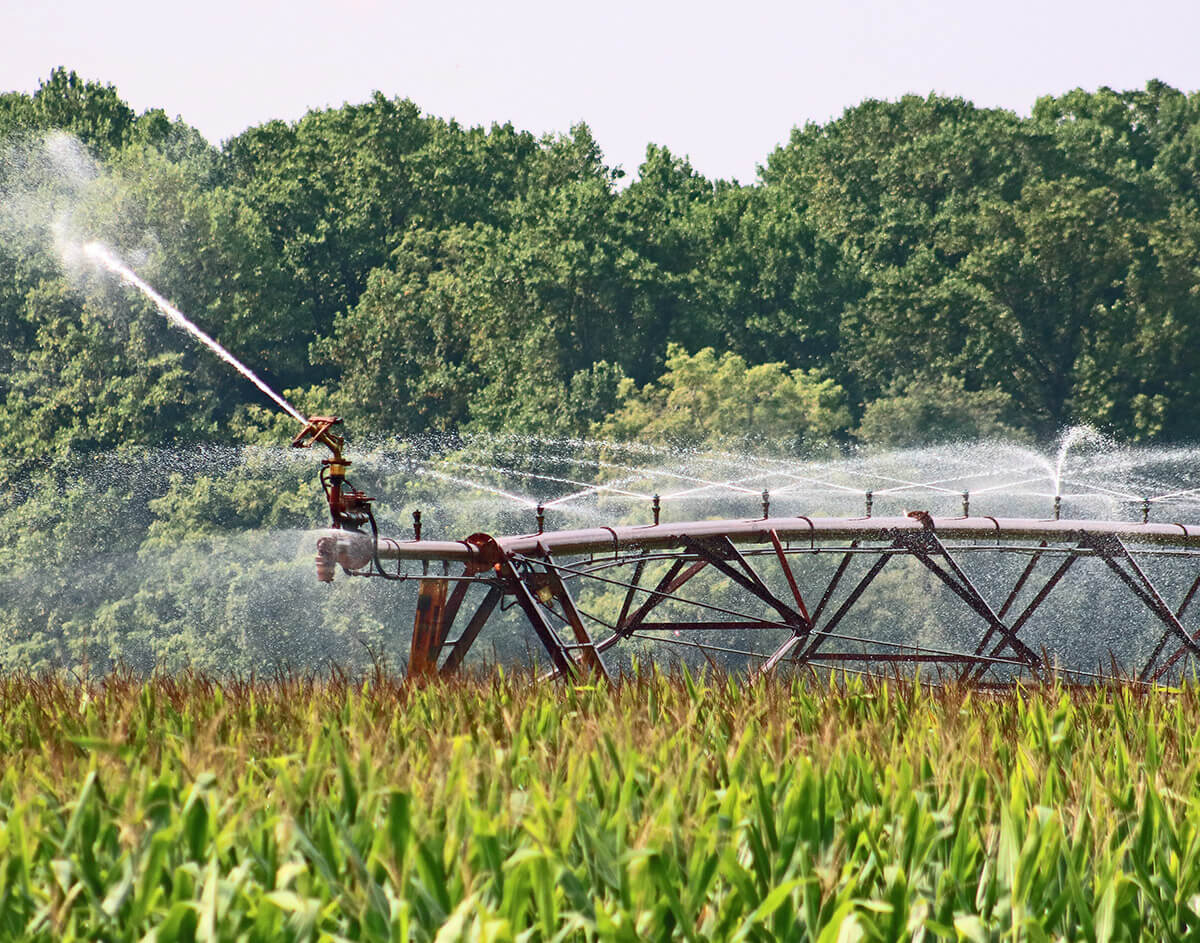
(718, 585)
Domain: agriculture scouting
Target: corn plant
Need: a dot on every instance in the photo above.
(675, 807)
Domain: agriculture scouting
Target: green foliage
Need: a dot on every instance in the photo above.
(488, 327)
(912, 270)
(722, 400)
(926, 413)
(685, 808)
(91, 384)
(93, 112)
(433, 277)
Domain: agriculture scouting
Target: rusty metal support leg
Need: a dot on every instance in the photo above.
(587, 646)
(462, 645)
(563, 664)
(431, 627)
(427, 628)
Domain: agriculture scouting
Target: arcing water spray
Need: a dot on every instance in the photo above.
(349, 509)
(101, 254)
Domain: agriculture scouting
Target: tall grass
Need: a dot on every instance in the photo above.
(673, 808)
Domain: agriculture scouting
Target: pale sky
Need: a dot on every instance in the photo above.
(722, 83)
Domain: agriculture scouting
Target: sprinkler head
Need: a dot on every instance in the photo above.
(326, 559)
(319, 429)
(656, 507)
(349, 509)
(966, 498)
(541, 518)
(870, 496)
(1057, 506)
(347, 549)
(766, 504)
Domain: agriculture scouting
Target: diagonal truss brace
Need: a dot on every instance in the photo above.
(570, 613)
(1179, 652)
(542, 593)
(1117, 557)
(721, 554)
(924, 547)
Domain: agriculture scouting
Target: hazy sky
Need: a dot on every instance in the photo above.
(721, 82)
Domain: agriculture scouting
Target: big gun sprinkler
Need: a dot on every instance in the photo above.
(349, 509)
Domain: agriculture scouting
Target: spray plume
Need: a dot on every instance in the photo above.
(101, 254)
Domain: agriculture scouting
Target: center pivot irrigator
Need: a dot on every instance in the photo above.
(799, 591)
(818, 581)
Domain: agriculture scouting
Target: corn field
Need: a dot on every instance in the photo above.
(675, 807)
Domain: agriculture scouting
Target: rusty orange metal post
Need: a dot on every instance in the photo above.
(429, 629)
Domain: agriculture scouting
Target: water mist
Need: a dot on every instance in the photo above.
(102, 255)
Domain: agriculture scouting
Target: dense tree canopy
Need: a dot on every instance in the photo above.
(913, 271)
(426, 276)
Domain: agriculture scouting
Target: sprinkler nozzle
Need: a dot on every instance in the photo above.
(1145, 510)
(416, 525)
(326, 559)
(656, 508)
(870, 496)
(1057, 506)
(541, 518)
(319, 429)
(350, 509)
(766, 501)
(349, 550)
(966, 496)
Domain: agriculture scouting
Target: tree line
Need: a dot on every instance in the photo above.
(914, 269)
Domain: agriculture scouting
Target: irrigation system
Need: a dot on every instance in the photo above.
(777, 593)
(747, 588)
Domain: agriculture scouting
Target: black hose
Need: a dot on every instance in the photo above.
(375, 551)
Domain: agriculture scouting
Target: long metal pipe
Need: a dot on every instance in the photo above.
(354, 547)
